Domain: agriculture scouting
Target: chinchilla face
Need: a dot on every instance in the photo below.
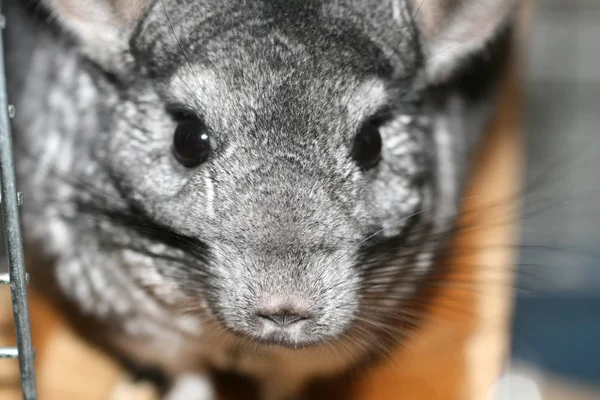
(280, 141)
(285, 151)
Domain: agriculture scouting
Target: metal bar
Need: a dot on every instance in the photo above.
(12, 352)
(5, 278)
(14, 242)
(9, 352)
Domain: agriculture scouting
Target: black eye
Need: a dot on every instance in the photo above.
(367, 146)
(191, 142)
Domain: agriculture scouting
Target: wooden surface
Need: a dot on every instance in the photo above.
(456, 356)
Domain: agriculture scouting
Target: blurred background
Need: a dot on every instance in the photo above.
(556, 327)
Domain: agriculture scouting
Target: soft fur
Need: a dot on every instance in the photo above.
(175, 262)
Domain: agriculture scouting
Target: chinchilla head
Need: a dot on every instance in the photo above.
(286, 151)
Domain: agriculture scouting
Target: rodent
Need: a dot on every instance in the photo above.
(275, 176)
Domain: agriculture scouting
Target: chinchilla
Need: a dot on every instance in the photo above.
(272, 179)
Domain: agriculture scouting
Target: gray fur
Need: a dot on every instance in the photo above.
(180, 259)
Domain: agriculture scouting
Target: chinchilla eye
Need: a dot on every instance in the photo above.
(191, 142)
(367, 146)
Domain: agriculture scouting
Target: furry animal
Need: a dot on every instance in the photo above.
(270, 178)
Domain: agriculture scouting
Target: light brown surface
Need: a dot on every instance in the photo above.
(456, 356)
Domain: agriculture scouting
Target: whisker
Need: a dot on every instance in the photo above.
(178, 42)
(390, 226)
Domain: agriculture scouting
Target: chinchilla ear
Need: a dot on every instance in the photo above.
(452, 30)
(102, 27)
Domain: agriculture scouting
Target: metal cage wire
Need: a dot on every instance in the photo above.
(16, 277)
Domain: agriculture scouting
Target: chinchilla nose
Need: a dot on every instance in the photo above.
(283, 317)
